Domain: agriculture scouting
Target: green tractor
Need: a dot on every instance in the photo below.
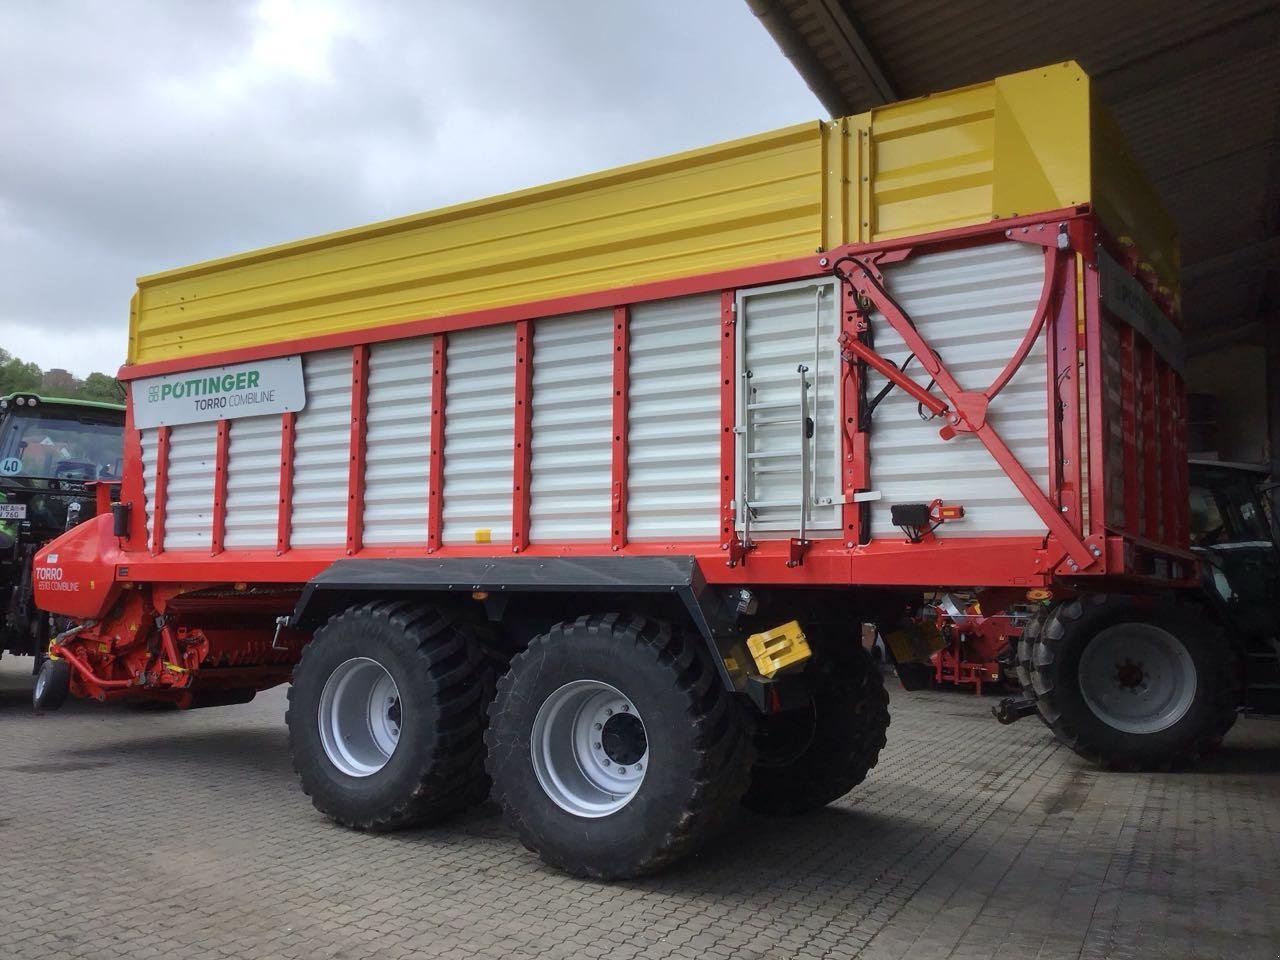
(1162, 689)
(51, 452)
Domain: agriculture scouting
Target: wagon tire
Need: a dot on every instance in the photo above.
(808, 758)
(1109, 705)
(386, 717)
(660, 706)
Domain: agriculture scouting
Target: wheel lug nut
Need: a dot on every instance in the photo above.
(626, 708)
(596, 745)
(605, 761)
(622, 769)
(608, 712)
(599, 726)
(639, 766)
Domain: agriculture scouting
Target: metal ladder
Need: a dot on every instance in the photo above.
(808, 493)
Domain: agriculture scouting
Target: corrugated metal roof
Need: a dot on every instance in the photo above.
(1194, 87)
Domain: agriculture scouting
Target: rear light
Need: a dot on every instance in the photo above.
(950, 512)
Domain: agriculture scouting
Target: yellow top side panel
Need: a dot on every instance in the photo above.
(1128, 204)
(1019, 144)
(1016, 145)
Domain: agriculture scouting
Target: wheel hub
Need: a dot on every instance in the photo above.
(360, 717)
(589, 748)
(1137, 678)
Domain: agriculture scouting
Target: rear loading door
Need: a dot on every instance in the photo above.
(786, 425)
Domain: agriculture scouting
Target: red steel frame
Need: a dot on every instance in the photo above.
(356, 446)
(435, 474)
(523, 442)
(1071, 330)
(284, 518)
(618, 417)
(221, 450)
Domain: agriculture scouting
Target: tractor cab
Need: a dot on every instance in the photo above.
(51, 450)
(1233, 530)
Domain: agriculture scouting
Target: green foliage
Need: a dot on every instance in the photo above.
(17, 376)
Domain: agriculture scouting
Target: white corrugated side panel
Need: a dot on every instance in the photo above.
(673, 444)
(150, 447)
(188, 502)
(479, 434)
(398, 442)
(321, 447)
(777, 327)
(253, 482)
(570, 495)
(973, 306)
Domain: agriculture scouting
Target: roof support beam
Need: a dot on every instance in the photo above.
(1264, 254)
(834, 22)
(862, 57)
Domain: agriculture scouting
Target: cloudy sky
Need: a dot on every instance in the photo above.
(137, 135)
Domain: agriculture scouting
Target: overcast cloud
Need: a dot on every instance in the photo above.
(138, 135)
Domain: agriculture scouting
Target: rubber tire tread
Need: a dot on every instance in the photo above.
(455, 681)
(1041, 648)
(852, 708)
(653, 655)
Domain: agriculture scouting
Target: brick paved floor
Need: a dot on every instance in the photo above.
(138, 835)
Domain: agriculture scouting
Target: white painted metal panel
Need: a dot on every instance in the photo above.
(479, 433)
(673, 445)
(780, 329)
(570, 486)
(398, 442)
(321, 448)
(188, 504)
(150, 449)
(973, 306)
(253, 482)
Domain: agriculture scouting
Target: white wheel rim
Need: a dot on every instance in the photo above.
(360, 717)
(590, 749)
(1137, 678)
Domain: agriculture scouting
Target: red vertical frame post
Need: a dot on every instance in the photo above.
(221, 450)
(1129, 426)
(1171, 486)
(161, 490)
(855, 468)
(284, 517)
(1064, 394)
(1181, 532)
(728, 416)
(355, 464)
(523, 437)
(1148, 415)
(618, 464)
(132, 487)
(435, 475)
(1094, 398)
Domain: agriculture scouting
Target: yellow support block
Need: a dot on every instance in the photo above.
(776, 649)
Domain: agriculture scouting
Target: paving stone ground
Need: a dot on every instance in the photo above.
(184, 835)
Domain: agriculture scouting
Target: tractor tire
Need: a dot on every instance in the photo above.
(613, 747)
(386, 717)
(1129, 685)
(807, 758)
(53, 683)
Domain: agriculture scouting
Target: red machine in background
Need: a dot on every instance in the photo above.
(957, 641)
(975, 641)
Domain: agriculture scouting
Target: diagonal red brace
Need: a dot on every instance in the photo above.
(966, 410)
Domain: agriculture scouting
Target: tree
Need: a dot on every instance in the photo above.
(16, 375)
(100, 386)
(19, 377)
